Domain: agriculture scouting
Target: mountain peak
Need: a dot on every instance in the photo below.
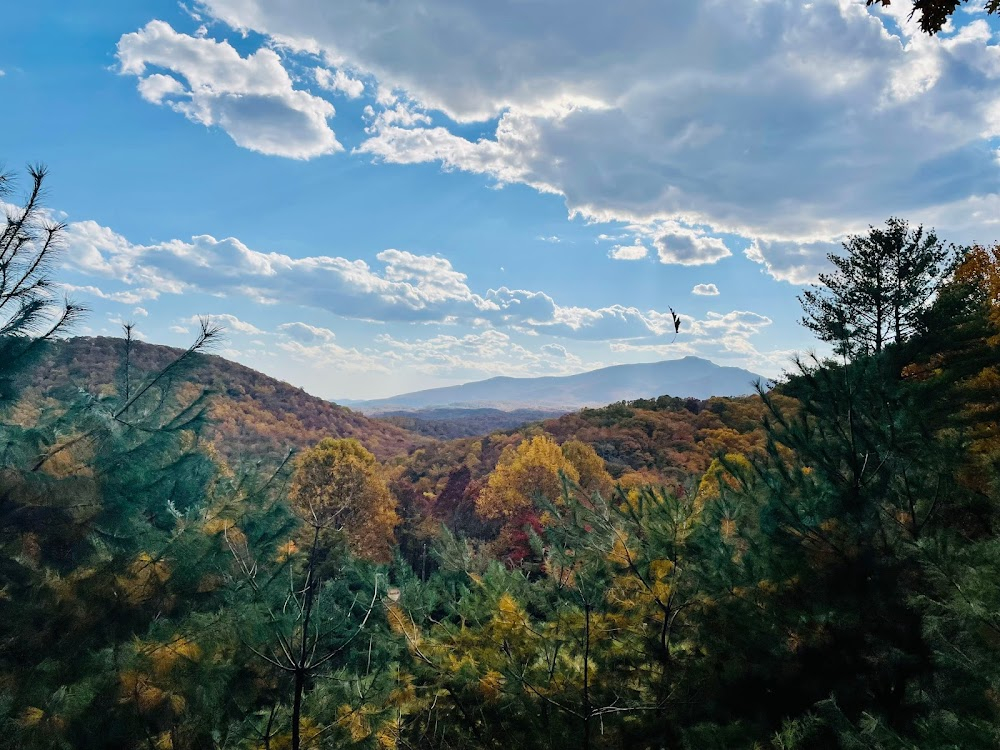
(672, 377)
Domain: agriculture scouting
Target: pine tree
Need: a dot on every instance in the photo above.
(879, 287)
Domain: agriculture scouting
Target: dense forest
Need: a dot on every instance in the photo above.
(813, 567)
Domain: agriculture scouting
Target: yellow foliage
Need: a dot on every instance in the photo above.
(337, 485)
(309, 733)
(70, 458)
(139, 689)
(593, 473)
(660, 569)
(388, 737)
(520, 476)
(404, 692)
(767, 587)
(217, 525)
(145, 577)
(728, 528)
(355, 721)
(401, 624)
(661, 590)
(620, 554)
(491, 685)
(164, 657)
(718, 473)
(510, 618)
(31, 716)
(286, 550)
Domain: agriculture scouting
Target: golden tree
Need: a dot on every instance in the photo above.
(593, 473)
(337, 486)
(521, 475)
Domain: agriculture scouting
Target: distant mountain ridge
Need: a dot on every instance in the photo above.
(692, 377)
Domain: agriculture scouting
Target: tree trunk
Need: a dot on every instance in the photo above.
(302, 668)
(300, 682)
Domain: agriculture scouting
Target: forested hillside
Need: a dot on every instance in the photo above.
(253, 416)
(813, 567)
(448, 423)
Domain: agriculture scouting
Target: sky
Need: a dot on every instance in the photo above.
(379, 196)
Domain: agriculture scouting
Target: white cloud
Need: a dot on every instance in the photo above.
(628, 252)
(725, 338)
(307, 334)
(786, 121)
(339, 82)
(689, 248)
(227, 321)
(406, 288)
(251, 98)
(795, 262)
(140, 312)
(705, 290)
(556, 350)
(328, 354)
(477, 355)
(129, 297)
(735, 323)
(179, 329)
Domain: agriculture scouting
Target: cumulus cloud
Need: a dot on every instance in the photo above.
(690, 249)
(251, 98)
(556, 350)
(227, 321)
(637, 251)
(307, 334)
(405, 287)
(795, 262)
(483, 354)
(699, 113)
(705, 290)
(339, 82)
(330, 354)
(129, 297)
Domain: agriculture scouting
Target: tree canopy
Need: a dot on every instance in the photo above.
(934, 14)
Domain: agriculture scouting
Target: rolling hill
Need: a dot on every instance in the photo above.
(688, 377)
(255, 416)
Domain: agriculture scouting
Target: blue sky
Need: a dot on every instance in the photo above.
(380, 197)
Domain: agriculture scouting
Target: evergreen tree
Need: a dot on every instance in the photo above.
(878, 289)
(29, 244)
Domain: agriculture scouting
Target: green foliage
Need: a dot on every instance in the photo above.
(878, 288)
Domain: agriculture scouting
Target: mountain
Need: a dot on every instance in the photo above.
(688, 377)
(255, 416)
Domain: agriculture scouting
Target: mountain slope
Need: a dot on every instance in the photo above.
(688, 377)
(256, 416)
